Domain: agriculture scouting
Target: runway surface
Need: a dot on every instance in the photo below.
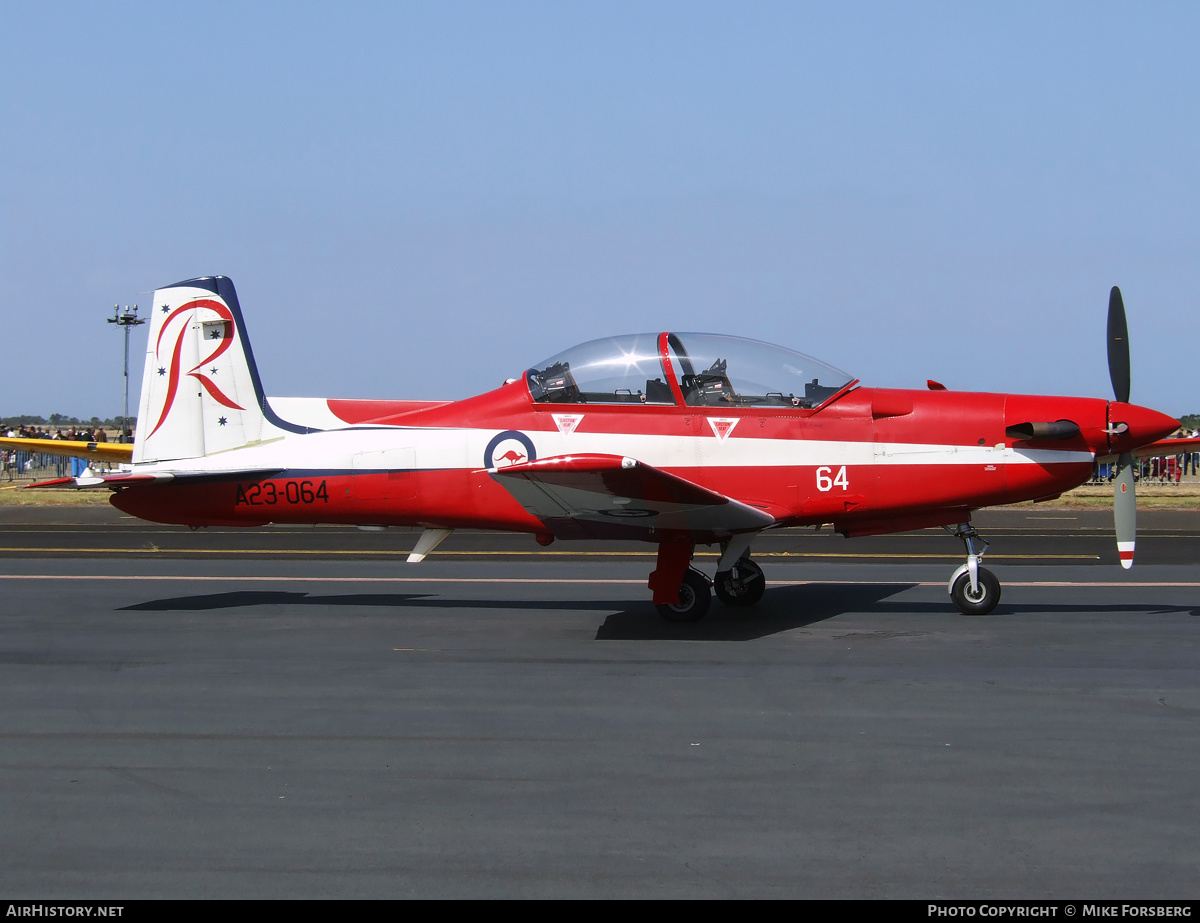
(297, 713)
(1025, 535)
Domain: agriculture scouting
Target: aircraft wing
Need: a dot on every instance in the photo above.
(607, 496)
(119, 452)
(1165, 447)
(1161, 449)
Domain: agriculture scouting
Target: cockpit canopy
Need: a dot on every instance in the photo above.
(692, 369)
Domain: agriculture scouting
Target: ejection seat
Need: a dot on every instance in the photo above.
(710, 388)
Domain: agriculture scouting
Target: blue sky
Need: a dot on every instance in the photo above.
(417, 200)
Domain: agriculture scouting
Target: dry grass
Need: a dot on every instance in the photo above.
(52, 496)
(1149, 497)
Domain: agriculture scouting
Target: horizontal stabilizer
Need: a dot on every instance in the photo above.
(608, 496)
(117, 479)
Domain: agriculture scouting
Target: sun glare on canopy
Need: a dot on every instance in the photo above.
(696, 369)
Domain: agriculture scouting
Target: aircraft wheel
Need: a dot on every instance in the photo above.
(694, 597)
(748, 589)
(980, 603)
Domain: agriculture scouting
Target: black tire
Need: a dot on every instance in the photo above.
(749, 588)
(984, 602)
(694, 598)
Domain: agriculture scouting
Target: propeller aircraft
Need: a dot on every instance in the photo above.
(677, 439)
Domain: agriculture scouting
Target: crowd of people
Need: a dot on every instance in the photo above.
(74, 435)
(27, 462)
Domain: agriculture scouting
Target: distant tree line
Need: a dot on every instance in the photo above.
(60, 420)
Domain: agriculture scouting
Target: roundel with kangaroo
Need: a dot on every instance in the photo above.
(507, 449)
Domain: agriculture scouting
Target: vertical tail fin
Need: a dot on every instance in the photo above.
(201, 392)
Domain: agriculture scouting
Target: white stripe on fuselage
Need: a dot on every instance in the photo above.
(464, 449)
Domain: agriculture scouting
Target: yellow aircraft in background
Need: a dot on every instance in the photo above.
(117, 452)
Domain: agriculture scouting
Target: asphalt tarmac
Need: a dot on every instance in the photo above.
(298, 713)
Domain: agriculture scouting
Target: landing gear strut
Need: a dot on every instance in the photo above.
(741, 585)
(974, 589)
(694, 598)
(683, 594)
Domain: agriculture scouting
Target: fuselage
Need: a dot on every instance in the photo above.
(869, 461)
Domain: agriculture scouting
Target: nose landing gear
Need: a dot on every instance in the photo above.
(974, 589)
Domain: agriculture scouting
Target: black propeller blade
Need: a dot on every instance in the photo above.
(1118, 346)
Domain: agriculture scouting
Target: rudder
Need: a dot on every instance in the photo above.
(200, 388)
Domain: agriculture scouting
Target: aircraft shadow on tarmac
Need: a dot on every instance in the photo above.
(782, 609)
(241, 599)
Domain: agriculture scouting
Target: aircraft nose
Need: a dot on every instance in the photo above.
(1145, 425)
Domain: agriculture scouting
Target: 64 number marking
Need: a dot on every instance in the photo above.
(825, 482)
(269, 494)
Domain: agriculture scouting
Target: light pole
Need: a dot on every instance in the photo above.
(125, 320)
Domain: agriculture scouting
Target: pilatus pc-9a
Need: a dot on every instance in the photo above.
(677, 439)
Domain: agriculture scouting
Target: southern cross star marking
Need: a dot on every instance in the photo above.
(166, 308)
(216, 334)
(222, 421)
(213, 370)
(162, 371)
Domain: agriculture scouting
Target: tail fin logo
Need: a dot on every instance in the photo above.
(222, 336)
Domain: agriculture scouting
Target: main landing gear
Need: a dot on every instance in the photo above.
(974, 589)
(694, 599)
(741, 585)
(683, 594)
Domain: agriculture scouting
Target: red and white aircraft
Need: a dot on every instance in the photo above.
(673, 438)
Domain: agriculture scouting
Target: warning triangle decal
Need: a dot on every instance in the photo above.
(566, 422)
(722, 426)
